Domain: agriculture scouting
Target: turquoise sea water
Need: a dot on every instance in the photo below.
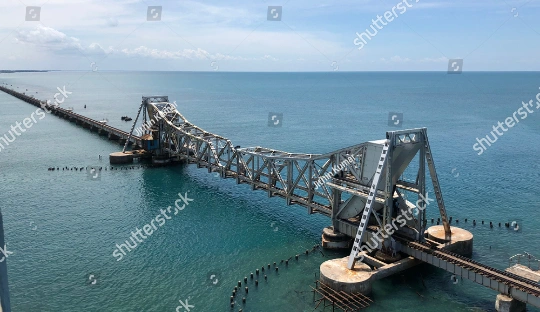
(63, 227)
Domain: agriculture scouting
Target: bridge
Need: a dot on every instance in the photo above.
(361, 188)
(89, 123)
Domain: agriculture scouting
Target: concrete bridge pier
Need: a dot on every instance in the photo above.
(334, 240)
(461, 241)
(506, 303)
(335, 274)
(121, 158)
(509, 304)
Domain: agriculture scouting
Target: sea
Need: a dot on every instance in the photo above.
(63, 226)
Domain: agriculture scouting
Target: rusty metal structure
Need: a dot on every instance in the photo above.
(346, 302)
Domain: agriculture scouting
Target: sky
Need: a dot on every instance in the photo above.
(301, 35)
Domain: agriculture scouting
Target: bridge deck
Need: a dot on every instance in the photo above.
(80, 119)
(507, 283)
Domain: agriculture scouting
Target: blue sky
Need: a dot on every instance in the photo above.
(236, 35)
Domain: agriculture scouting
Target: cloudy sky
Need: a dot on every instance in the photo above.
(236, 35)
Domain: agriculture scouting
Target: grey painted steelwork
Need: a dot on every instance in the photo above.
(369, 205)
(288, 175)
(347, 187)
(336, 184)
(395, 156)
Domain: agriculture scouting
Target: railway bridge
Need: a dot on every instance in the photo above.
(362, 188)
(376, 212)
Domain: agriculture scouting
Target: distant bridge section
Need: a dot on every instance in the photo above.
(86, 122)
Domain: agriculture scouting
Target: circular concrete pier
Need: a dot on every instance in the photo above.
(118, 158)
(461, 241)
(335, 240)
(336, 275)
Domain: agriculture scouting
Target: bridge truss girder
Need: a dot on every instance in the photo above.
(323, 183)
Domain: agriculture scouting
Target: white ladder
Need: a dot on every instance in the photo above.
(369, 206)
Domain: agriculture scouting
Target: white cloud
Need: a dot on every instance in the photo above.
(441, 59)
(54, 40)
(399, 59)
(396, 59)
(188, 54)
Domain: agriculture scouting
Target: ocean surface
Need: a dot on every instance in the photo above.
(63, 227)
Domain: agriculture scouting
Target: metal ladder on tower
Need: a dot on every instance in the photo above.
(369, 206)
(436, 188)
(132, 128)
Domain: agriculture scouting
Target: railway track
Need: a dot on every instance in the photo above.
(512, 280)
